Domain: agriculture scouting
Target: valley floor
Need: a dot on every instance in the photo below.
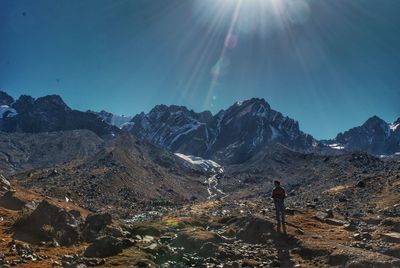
(213, 234)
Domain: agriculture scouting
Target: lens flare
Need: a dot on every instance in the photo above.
(240, 18)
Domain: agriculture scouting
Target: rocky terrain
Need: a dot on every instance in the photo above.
(176, 188)
(22, 151)
(322, 230)
(122, 177)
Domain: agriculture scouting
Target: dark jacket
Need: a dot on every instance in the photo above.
(278, 193)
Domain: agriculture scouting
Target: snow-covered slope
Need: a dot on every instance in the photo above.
(7, 111)
(201, 164)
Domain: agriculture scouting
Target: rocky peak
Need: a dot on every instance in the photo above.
(50, 113)
(254, 106)
(374, 122)
(23, 104)
(374, 136)
(51, 103)
(232, 135)
(5, 99)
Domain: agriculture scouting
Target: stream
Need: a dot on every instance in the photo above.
(212, 188)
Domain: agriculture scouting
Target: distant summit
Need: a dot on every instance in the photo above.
(47, 114)
(113, 119)
(374, 136)
(230, 136)
(5, 99)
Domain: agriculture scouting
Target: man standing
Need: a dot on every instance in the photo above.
(279, 195)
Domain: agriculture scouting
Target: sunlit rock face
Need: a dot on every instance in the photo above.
(230, 136)
(375, 136)
(113, 119)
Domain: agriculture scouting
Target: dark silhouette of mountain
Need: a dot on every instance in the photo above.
(374, 136)
(50, 113)
(5, 99)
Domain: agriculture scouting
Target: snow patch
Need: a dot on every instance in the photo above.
(120, 120)
(201, 163)
(275, 133)
(191, 127)
(336, 146)
(393, 127)
(128, 125)
(4, 109)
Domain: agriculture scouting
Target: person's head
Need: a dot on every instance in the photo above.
(277, 183)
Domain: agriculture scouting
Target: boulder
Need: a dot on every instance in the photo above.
(193, 239)
(48, 222)
(254, 230)
(106, 246)
(10, 201)
(94, 225)
(336, 222)
(321, 216)
(361, 184)
(115, 231)
(392, 237)
(4, 183)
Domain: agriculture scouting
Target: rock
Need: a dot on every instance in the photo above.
(321, 215)
(254, 229)
(392, 237)
(393, 251)
(93, 261)
(49, 222)
(289, 211)
(145, 230)
(312, 206)
(104, 247)
(352, 226)
(56, 264)
(336, 222)
(94, 225)
(329, 213)
(4, 183)
(361, 184)
(10, 201)
(115, 231)
(374, 221)
(275, 263)
(193, 239)
(208, 249)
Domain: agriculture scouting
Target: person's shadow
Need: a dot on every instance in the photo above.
(283, 243)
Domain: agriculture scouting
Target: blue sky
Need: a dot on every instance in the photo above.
(329, 64)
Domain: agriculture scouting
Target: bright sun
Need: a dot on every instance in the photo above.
(254, 15)
(235, 19)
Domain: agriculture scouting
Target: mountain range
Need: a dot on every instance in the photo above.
(231, 136)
